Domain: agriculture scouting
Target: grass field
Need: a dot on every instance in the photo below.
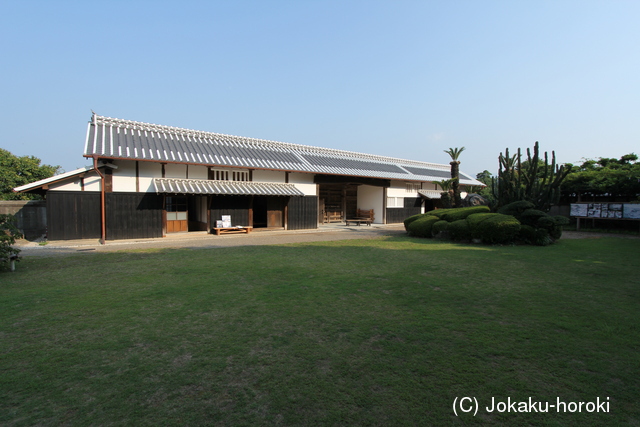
(373, 332)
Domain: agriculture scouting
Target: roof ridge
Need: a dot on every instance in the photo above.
(96, 119)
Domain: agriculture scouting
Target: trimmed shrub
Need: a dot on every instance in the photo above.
(553, 225)
(459, 230)
(561, 220)
(439, 212)
(531, 217)
(411, 219)
(527, 234)
(456, 214)
(516, 208)
(439, 227)
(542, 237)
(422, 226)
(497, 229)
(476, 219)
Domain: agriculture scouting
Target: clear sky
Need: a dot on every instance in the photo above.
(398, 78)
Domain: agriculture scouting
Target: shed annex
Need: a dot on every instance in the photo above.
(149, 180)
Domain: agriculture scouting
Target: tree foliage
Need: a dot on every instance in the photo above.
(16, 171)
(8, 235)
(617, 178)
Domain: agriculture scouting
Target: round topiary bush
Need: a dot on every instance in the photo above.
(497, 229)
(454, 214)
(476, 219)
(421, 227)
(439, 227)
(459, 230)
(527, 234)
(531, 217)
(411, 219)
(516, 208)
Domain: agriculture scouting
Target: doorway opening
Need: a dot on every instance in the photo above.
(269, 211)
(185, 213)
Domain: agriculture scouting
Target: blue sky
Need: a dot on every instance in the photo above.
(406, 79)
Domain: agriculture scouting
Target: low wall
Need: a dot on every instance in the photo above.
(31, 216)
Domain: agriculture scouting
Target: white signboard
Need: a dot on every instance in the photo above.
(631, 211)
(606, 210)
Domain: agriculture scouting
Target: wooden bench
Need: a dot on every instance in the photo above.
(225, 230)
(332, 216)
(363, 216)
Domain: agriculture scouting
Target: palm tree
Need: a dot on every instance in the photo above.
(454, 153)
(445, 198)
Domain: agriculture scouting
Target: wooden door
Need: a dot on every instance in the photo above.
(177, 218)
(274, 219)
(275, 212)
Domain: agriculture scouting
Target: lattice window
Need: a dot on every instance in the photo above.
(395, 202)
(413, 187)
(228, 175)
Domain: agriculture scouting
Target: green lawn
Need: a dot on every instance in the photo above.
(374, 332)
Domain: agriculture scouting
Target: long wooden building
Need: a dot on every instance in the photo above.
(148, 180)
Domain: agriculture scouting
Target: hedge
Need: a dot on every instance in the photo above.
(451, 215)
(516, 208)
(409, 220)
(459, 230)
(421, 227)
(439, 227)
(497, 229)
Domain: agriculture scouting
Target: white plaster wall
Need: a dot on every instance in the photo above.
(308, 189)
(68, 185)
(198, 172)
(91, 183)
(268, 176)
(400, 192)
(147, 171)
(301, 178)
(124, 178)
(370, 197)
(172, 170)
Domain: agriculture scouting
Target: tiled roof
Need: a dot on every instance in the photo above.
(200, 186)
(125, 139)
(431, 194)
(53, 179)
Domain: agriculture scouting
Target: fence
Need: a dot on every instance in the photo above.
(31, 216)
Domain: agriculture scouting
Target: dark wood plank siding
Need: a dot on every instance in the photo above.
(236, 206)
(73, 215)
(411, 207)
(133, 215)
(303, 213)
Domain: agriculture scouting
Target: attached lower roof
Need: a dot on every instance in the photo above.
(123, 139)
(237, 188)
(53, 179)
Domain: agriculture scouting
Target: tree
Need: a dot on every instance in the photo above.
(16, 171)
(484, 177)
(454, 153)
(604, 177)
(445, 198)
(8, 235)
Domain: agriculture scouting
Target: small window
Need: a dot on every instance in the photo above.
(226, 175)
(395, 202)
(413, 187)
